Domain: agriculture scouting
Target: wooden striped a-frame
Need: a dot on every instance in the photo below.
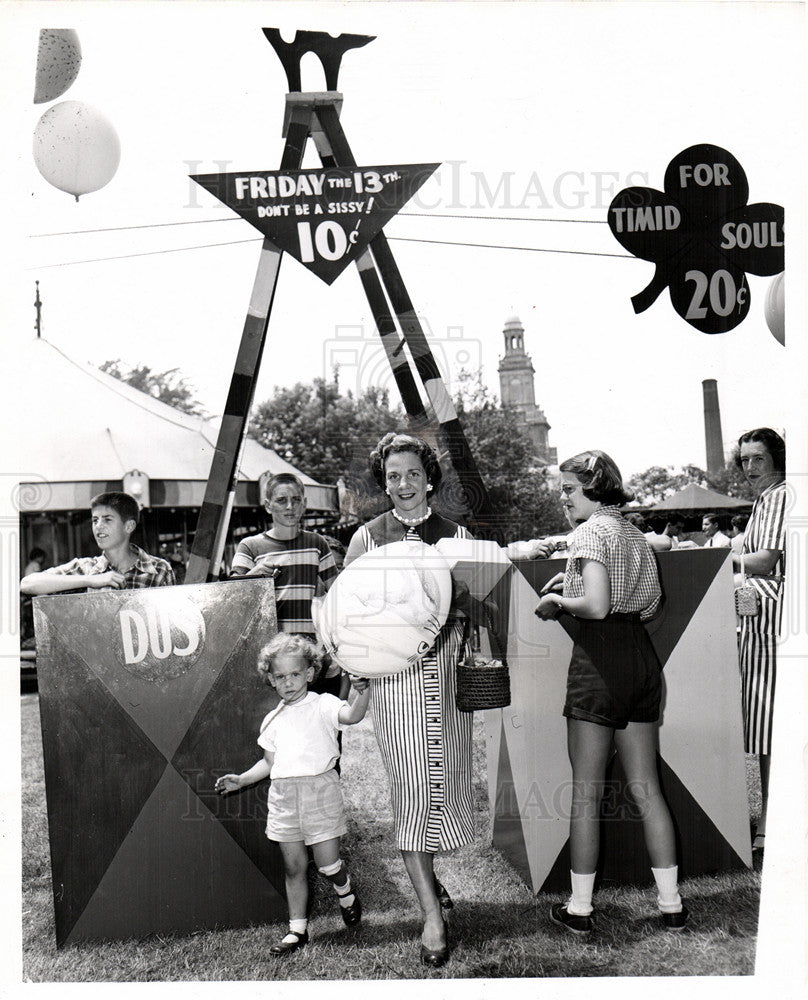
(424, 395)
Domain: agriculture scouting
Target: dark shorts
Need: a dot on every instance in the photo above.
(614, 675)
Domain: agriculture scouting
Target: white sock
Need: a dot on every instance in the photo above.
(298, 926)
(580, 902)
(667, 883)
(344, 895)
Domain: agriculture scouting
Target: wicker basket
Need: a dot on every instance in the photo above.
(482, 684)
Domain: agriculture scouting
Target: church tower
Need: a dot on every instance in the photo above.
(516, 374)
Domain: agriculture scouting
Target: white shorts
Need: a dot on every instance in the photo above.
(308, 808)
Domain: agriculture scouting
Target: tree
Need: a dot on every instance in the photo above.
(168, 386)
(330, 437)
(520, 490)
(659, 482)
(731, 482)
(326, 435)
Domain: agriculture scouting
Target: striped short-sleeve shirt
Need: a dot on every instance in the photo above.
(767, 530)
(608, 538)
(302, 563)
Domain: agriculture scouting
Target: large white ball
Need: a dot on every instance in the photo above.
(385, 610)
(75, 148)
(58, 62)
(774, 308)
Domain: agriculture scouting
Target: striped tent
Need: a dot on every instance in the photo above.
(83, 431)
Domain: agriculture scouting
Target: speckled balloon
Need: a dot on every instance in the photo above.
(774, 308)
(58, 63)
(76, 149)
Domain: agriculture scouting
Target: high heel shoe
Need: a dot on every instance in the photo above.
(444, 898)
(436, 957)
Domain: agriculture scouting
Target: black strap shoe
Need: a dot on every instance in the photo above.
(571, 922)
(675, 921)
(352, 914)
(285, 946)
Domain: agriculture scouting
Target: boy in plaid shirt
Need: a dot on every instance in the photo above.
(122, 565)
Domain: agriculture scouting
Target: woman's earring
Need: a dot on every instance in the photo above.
(428, 487)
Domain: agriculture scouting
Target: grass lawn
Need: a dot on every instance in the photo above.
(497, 929)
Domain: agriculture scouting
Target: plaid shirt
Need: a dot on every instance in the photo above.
(608, 538)
(148, 571)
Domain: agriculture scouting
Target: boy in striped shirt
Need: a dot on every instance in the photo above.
(303, 560)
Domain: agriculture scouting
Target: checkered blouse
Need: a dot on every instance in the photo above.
(608, 538)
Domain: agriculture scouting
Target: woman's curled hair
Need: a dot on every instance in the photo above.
(600, 477)
(393, 444)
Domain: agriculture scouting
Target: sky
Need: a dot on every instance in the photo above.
(539, 114)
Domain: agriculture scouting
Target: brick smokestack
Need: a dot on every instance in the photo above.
(712, 427)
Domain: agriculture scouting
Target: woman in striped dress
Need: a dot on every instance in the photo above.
(762, 458)
(425, 742)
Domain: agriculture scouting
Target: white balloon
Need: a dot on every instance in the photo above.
(58, 62)
(76, 149)
(774, 308)
(385, 610)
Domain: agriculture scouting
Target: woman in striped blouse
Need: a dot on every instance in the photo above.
(762, 458)
(425, 742)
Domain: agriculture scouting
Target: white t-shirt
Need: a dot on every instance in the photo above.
(303, 736)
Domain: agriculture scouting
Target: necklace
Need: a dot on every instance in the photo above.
(412, 522)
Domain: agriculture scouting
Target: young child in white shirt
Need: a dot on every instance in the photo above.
(304, 807)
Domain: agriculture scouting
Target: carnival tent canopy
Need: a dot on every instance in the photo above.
(83, 429)
(697, 498)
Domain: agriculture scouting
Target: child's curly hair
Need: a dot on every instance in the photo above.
(287, 644)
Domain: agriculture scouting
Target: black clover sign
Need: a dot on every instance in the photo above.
(702, 236)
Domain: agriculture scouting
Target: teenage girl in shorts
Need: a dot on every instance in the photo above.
(609, 589)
